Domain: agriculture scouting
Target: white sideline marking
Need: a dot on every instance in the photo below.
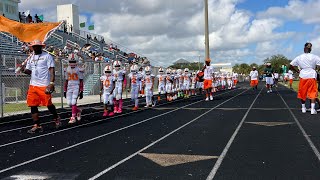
(62, 130)
(95, 138)
(65, 119)
(153, 143)
(225, 150)
(89, 140)
(313, 147)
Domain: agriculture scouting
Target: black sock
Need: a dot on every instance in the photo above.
(53, 111)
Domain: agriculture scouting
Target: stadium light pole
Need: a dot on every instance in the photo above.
(206, 29)
(199, 61)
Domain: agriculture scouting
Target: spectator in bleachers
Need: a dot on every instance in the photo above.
(23, 17)
(36, 18)
(71, 28)
(20, 17)
(29, 19)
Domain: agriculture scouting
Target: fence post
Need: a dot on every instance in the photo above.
(1, 94)
(16, 95)
(61, 83)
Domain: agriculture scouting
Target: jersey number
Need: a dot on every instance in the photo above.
(133, 80)
(106, 83)
(73, 77)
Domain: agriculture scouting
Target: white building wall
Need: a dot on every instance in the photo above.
(69, 13)
(10, 8)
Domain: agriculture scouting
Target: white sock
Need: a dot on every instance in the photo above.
(136, 102)
(303, 105)
(313, 105)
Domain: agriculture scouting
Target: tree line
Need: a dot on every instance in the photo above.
(276, 62)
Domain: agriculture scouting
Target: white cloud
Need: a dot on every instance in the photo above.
(306, 11)
(168, 30)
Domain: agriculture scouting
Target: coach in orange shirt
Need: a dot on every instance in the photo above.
(307, 62)
(41, 68)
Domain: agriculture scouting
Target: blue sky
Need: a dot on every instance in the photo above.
(240, 30)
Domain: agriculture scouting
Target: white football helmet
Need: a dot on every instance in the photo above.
(168, 71)
(107, 69)
(161, 71)
(117, 65)
(146, 62)
(72, 60)
(134, 68)
(179, 71)
(147, 70)
(186, 70)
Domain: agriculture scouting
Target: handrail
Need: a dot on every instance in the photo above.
(95, 44)
(71, 43)
(78, 36)
(57, 36)
(107, 50)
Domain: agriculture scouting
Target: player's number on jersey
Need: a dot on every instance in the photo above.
(73, 77)
(133, 80)
(106, 83)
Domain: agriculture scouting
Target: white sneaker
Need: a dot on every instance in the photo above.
(318, 110)
(72, 120)
(308, 110)
(304, 110)
(207, 99)
(270, 90)
(313, 111)
(211, 98)
(79, 115)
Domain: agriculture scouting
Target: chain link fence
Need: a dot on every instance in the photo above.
(14, 86)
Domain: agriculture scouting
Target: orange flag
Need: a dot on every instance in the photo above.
(27, 32)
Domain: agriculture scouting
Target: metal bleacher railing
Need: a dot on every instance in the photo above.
(13, 87)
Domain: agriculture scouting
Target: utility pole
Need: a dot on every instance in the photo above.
(206, 29)
(199, 62)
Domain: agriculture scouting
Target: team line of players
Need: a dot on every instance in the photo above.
(172, 83)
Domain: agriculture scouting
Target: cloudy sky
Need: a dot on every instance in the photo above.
(166, 30)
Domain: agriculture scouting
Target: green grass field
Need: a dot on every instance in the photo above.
(12, 107)
(295, 85)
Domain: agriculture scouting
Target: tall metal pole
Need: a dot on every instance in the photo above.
(199, 62)
(206, 29)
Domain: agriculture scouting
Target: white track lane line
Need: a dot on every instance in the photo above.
(225, 150)
(313, 147)
(49, 115)
(65, 112)
(95, 138)
(73, 127)
(153, 143)
(65, 119)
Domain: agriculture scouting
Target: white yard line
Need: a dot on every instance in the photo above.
(313, 147)
(81, 125)
(153, 143)
(225, 150)
(95, 138)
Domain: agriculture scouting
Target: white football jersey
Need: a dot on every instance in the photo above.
(73, 75)
(118, 75)
(107, 82)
